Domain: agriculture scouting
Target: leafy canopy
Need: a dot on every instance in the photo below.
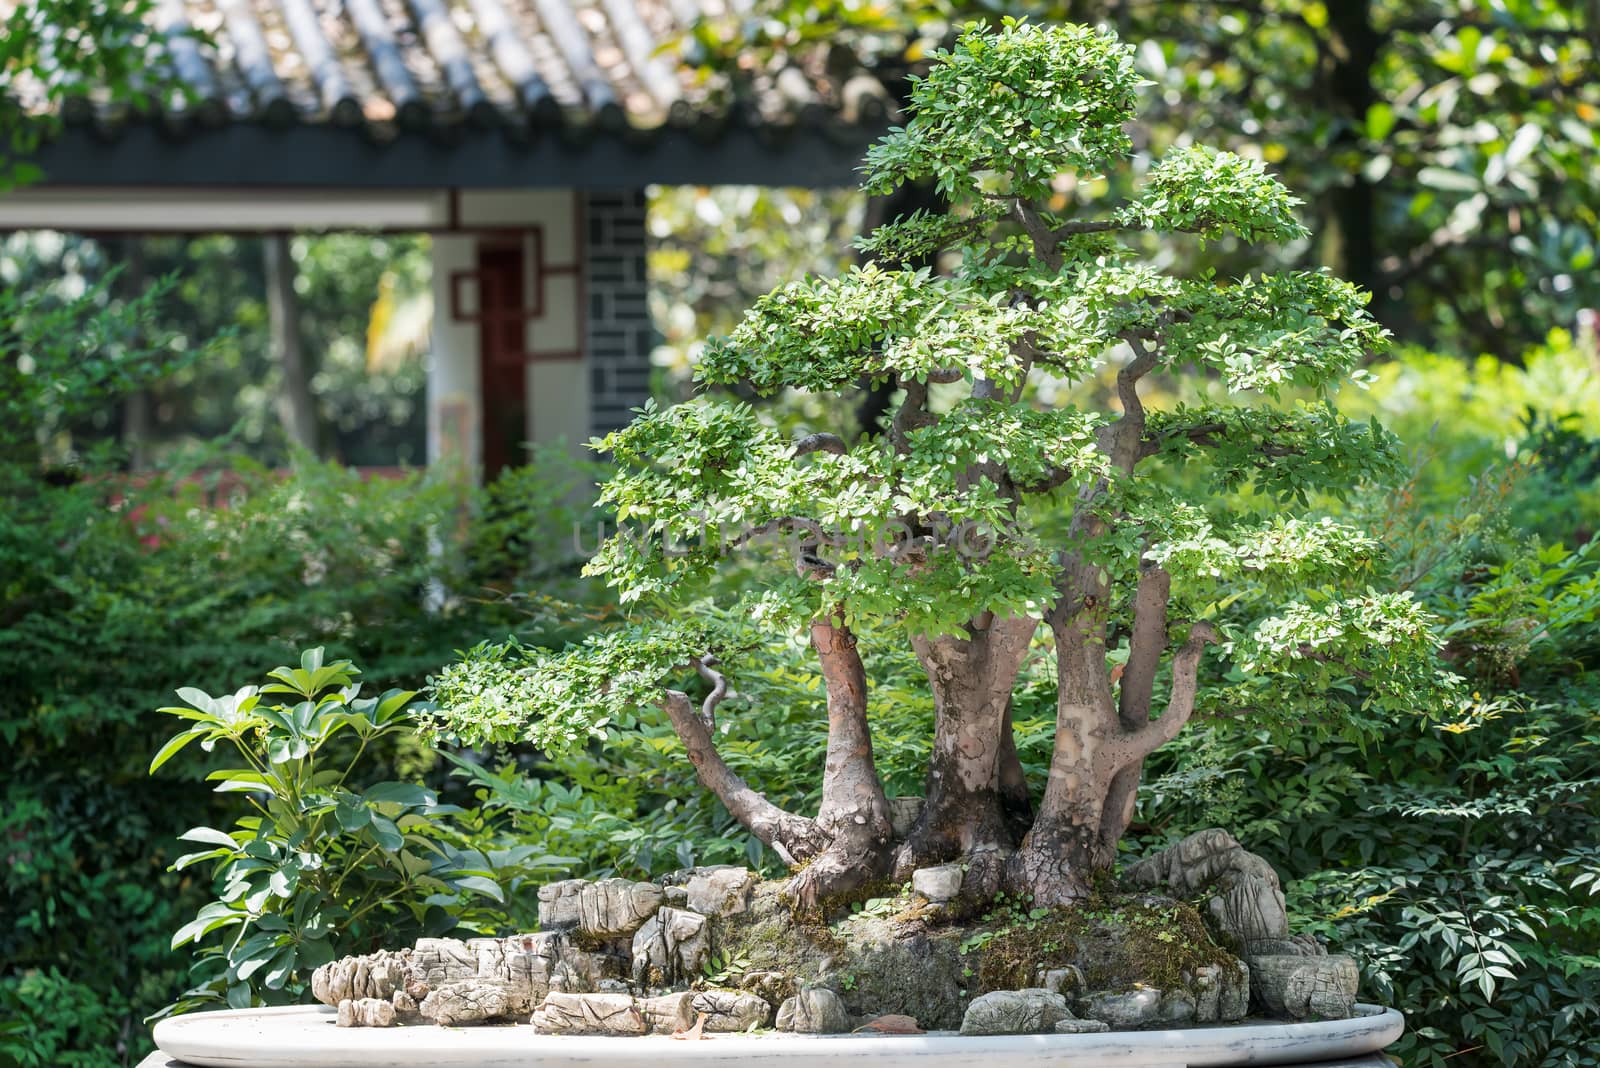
(930, 523)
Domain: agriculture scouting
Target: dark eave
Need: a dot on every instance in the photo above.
(328, 156)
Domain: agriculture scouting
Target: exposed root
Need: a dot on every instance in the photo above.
(834, 875)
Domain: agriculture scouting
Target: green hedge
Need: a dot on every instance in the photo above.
(114, 594)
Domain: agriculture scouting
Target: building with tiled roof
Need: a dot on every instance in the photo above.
(519, 133)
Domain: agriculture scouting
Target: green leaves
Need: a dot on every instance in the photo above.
(312, 676)
(1289, 454)
(1203, 191)
(505, 692)
(1003, 113)
(317, 857)
(1264, 334)
(1385, 642)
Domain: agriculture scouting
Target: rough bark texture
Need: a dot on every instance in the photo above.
(1101, 742)
(1062, 851)
(1147, 642)
(975, 790)
(794, 838)
(854, 811)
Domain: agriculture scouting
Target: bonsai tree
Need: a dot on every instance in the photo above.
(979, 518)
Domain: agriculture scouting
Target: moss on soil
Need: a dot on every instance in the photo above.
(897, 955)
(1116, 943)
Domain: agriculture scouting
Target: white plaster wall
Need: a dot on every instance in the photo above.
(455, 412)
(558, 390)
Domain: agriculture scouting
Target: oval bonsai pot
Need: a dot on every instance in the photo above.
(306, 1037)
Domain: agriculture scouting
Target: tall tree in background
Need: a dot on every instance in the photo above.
(297, 407)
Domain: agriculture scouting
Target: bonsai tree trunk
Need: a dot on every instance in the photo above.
(975, 789)
(1099, 753)
(1062, 851)
(854, 811)
(849, 842)
(1137, 690)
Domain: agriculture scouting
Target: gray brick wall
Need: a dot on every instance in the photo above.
(619, 332)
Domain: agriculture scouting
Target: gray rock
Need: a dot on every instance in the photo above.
(558, 903)
(520, 968)
(1015, 1012)
(814, 1011)
(721, 891)
(1235, 1000)
(668, 1013)
(770, 986)
(613, 908)
(366, 1012)
(553, 961)
(1064, 981)
(1305, 987)
(589, 1014)
(1221, 993)
(676, 896)
(939, 884)
(444, 960)
(1207, 988)
(732, 1010)
(372, 976)
(903, 813)
(1246, 901)
(1125, 1011)
(671, 947)
(468, 1001)
(1081, 1027)
(1176, 1009)
(405, 1005)
(1294, 946)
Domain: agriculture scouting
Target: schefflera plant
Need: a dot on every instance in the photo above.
(922, 533)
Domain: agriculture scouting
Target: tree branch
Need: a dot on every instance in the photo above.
(913, 413)
(821, 443)
(794, 838)
(1127, 433)
(1090, 226)
(719, 690)
(817, 534)
(853, 805)
(1044, 239)
(1180, 705)
(1145, 646)
(1210, 435)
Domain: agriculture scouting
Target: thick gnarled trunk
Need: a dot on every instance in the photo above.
(854, 812)
(1061, 852)
(976, 796)
(1100, 748)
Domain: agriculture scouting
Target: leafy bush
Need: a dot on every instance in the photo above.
(1453, 856)
(113, 591)
(1467, 417)
(317, 866)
